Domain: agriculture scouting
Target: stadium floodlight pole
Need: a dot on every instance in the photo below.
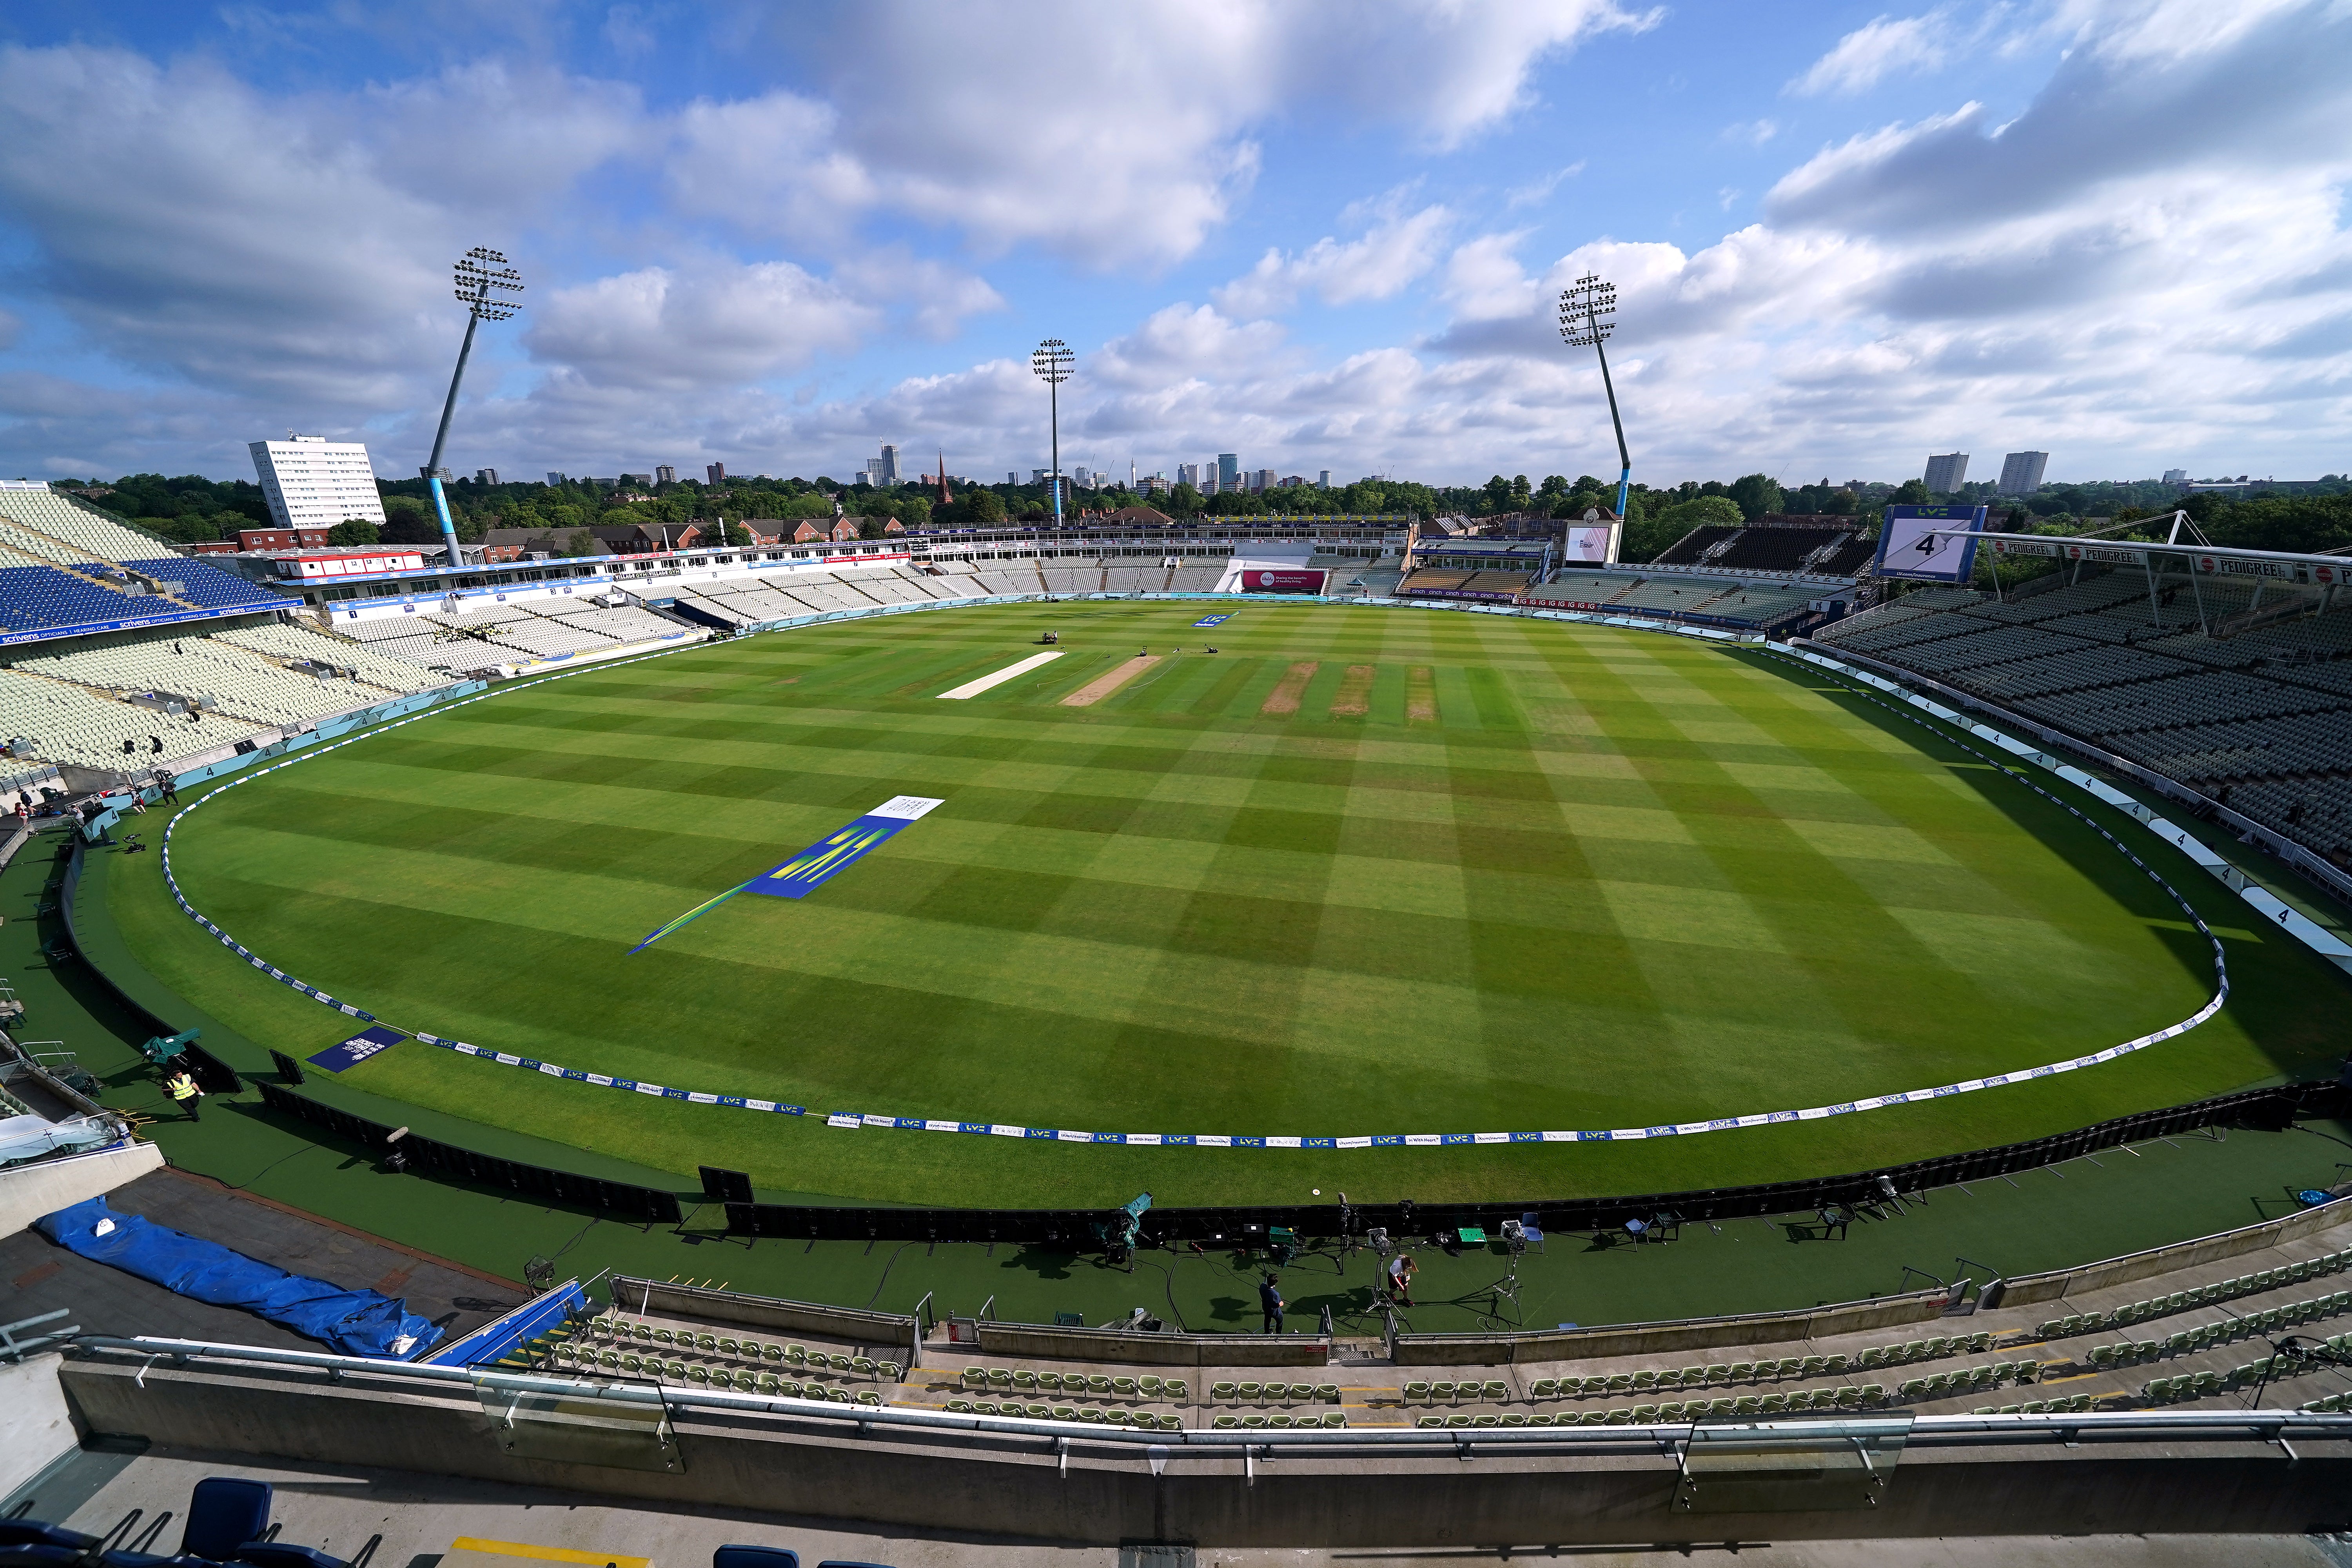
(1052, 363)
(1584, 305)
(483, 279)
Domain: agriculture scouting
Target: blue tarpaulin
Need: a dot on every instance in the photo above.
(351, 1322)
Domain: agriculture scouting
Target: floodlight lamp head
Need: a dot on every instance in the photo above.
(484, 281)
(1585, 307)
(1053, 359)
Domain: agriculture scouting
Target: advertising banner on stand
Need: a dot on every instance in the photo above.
(1264, 580)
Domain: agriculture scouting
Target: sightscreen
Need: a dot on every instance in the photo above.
(1910, 546)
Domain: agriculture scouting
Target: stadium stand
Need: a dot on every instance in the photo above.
(2259, 719)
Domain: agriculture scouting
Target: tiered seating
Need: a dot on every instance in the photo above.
(2261, 720)
(1776, 549)
(279, 641)
(73, 724)
(1688, 549)
(1196, 579)
(35, 597)
(616, 1345)
(1094, 1386)
(202, 583)
(226, 677)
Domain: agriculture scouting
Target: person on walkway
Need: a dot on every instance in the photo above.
(1402, 1269)
(1269, 1298)
(182, 1087)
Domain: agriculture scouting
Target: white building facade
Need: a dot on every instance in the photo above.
(2020, 472)
(312, 482)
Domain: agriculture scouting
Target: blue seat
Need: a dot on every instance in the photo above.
(844, 1562)
(285, 1554)
(754, 1557)
(224, 1514)
(32, 1533)
(34, 1555)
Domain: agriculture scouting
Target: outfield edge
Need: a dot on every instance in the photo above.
(855, 1120)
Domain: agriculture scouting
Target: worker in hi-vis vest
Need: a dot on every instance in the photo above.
(182, 1087)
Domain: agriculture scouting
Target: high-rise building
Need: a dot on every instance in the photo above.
(1947, 473)
(2176, 476)
(1267, 479)
(1229, 471)
(486, 476)
(664, 474)
(312, 482)
(555, 478)
(1189, 474)
(872, 472)
(2020, 473)
(715, 473)
(889, 468)
(1323, 481)
(1011, 478)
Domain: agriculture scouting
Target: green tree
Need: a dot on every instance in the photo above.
(1182, 501)
(407, 520)
(353, 531)
(1914, 492)
(1757, 494)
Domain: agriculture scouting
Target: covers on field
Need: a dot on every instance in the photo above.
(351, 1322)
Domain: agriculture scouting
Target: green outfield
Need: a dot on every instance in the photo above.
(1362, 871)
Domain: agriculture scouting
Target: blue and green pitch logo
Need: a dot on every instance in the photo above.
(818, 864)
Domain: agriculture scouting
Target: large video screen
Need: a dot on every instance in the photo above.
(1909, 544)
(1591, 543)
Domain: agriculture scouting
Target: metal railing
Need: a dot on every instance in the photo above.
(2167, 1426)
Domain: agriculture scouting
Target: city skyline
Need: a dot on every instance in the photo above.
(748, 248)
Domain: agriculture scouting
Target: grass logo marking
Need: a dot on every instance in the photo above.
(818, 864)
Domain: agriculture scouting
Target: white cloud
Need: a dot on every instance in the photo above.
(718, 323)
(1537, 190)
(1392, 253)
(1887, 46)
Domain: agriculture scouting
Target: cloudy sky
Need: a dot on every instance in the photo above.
(1317, 233)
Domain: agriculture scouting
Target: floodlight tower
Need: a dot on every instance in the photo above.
(1584, 309)
(486, 283)
(1052, 363)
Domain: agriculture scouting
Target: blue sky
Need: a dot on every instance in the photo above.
(1320, 235)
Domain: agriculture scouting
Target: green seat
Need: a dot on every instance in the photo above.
(1280, 1423)
(1515, 1419)
(1619, 1418)
(1445, 1391)
(1498, 1390)
(1773, 1403)
(1411, 1390)
(1300, 1392)
(1457, 1421)
(1741, 1371)
(1148, 1387)
(1334, 1418)
(1025, 1378)
(1849, 1398)
(1573, 1387)
(1484, 1420)
(1225, 1421)
(1227, 1390)
(1252, 1390)
(1327, 1393)
(1543, 1388)
(1066, 1412)
(1593, 1418)
(1176, 1388)
(959, 1407)
(1096, 1385)
(975, 1377)
(999, 1378)
(1670, 1411)
(1423, 1421)
(728, 1347)
(868, 1397)
(1835, 1365)
(1718, 1374)
(1746, 1405)
(1091, 1416)
(1543, 1418)
(1125, 1387)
